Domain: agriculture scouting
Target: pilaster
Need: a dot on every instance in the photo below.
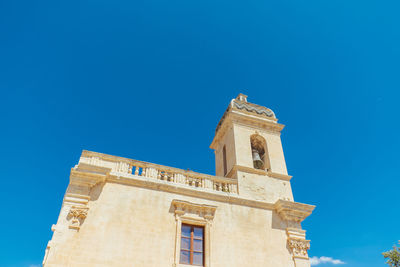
(74, 210)
(294, 213)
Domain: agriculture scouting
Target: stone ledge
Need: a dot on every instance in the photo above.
(268, 173)
(280, 176)
(293, 211)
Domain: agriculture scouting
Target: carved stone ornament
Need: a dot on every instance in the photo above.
(240, 104)
(253, 108)
(202, 210)
(77, 215)
(299, 247)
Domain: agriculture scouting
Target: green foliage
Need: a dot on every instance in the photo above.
(393, 256)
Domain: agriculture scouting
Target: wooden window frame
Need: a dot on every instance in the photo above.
(191, 249)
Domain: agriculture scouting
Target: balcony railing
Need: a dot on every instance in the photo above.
(161, 173)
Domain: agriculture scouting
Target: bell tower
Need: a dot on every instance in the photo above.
(248, 147)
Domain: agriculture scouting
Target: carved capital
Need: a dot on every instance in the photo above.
(297, 242)
(299, 247)
(78, 215)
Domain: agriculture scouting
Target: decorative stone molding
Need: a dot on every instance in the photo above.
(241, 118)
(297, 243)
(293, 211)
(201, 210)
(76, 199)
(280, 176)
(78, 215)
(241, 168)
(83, 178)
(240, 104)
(195, 214)
(88, 175)
(299, 247)
(253, 108)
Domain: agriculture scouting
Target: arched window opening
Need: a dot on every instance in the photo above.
(258, 148)
(224, 160)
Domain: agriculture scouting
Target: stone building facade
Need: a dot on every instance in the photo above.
(123, 212)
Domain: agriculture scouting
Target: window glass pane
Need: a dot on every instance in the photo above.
(198, 258)
(185, 257)
(198, 232)
(186, 230)
(185, 243)
(197, 245)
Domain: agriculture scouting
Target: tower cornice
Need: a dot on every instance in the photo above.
(232, 116)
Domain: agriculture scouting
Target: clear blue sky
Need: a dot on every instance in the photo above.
(150, 79)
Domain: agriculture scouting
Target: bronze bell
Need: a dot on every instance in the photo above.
(258, 163)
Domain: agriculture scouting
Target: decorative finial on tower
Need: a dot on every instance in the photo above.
(242, 97)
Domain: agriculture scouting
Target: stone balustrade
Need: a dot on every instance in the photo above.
(179, 176)
(160, 172)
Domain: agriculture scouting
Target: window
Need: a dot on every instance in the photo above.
(192, 245)
(193, 232)
(224, 159)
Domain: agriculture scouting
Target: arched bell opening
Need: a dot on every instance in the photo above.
(258, 151)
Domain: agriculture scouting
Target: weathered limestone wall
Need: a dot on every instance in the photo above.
(229, 142)
(263, 188)
(132, 226)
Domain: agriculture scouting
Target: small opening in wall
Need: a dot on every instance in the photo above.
(258, 151)
(224, 159)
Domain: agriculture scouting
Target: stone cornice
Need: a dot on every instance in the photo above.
(236, 117)
(76, 199)
(279, 176)
(241, 168)
(84, 178)
(241, 105)
(107, 157)
(182, 207)
(293, 211)
(268, 173)
(256, 121)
